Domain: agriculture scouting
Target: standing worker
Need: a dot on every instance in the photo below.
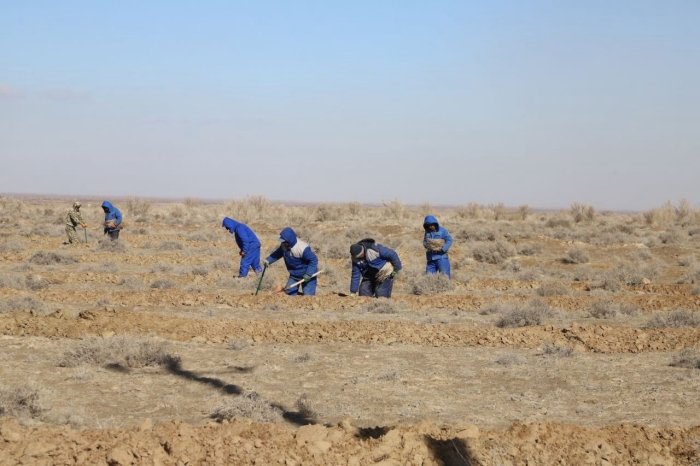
(113, 220)
(437, 242)
(374, 268)
(300, 260)
(73, 219)
(248, 245)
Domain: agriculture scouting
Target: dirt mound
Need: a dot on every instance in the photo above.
(598, 338)
(244, 442)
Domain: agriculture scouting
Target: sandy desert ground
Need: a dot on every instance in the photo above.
(567, 337)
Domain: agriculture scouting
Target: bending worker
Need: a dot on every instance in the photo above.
(374, 268)
(113, 220)
(248, 245)
(300, 260)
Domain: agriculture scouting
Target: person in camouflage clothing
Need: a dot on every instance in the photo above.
(73, 220)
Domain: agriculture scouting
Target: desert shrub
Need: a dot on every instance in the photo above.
(553, 289)
(576, 256)
(24, 303)
(305, 408)
(131, 283)
(139, 231)
(533, 313)
(326, 213)
(395, 209)
(36, 282)
(499, 211)
(477, 233)
(237, 345)
(523, 212)
(12, 281)
(122, 350)
(170, 246)
(138, 207)
(558, 222)
(687, 261)
(106, 244)
(687, 358)
(604, 310)
(50, 258)
(382, 306)
(471, 211)
(675, 319)
(692, 277)
(428, 284)
(304, 357)
(388, 376)
(529, 249)
(21, 402)
(12, 245)
(248, 405)
(558, 351)
(162, 284)
(493, 253)
(672, 237)
(582, 212)
(509, 360)
(512, 266)
(200, 270)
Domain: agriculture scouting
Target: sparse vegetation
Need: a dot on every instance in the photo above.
(688, 358)
(50, 258)
(382, 306)
(494, 253)
(576, 256)
(675, 319)
(533, 313)
(429, 284)
(553, 289)
(21, 402)
(248, 405)
(24, 304)
(557, 351)
(162, 284)
(123, 350)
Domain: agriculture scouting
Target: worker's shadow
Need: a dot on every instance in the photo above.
(174, 366)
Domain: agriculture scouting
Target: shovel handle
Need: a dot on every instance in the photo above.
(301, 281)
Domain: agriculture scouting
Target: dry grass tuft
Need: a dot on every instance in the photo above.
(553, 289)
(124, 351)
(533, 313)
(675, 319)
(576, 256)
(21, 402)
(249, 406)
(494, 253)
(162, 284)
(50, 258)
(24, 303)
(106, 244)
(558, 351)
(687, 358)
(429, 284)
(382, 306)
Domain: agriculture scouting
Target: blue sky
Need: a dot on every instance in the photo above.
(522, 102)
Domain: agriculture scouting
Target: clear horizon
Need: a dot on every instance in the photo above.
(539, 103)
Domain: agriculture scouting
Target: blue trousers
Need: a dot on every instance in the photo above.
(251, 260)
(308, 289)
(373, 288)
(438, 265)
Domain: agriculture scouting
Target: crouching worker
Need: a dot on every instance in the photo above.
(248, 245)
(437, 242)
(74, 219)
(113, 220)
(300, 260)
(374, 268)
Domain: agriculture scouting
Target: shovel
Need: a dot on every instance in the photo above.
(260, 280)
(85, 230)
(282, 288)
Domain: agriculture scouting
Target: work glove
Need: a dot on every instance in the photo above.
(84, 225)
(241, 253)
(354, 295)
(394, 274)
(266, 263)
(307, 278)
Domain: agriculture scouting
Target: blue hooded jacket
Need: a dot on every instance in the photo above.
(245, 237)
(440, 233)
(112, 213)
(298, 257)
(376, 255)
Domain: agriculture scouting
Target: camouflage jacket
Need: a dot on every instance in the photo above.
(74, 218)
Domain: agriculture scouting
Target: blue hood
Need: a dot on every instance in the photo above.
(108, 205)
(230, 224)
(430, 220)
(289, 236)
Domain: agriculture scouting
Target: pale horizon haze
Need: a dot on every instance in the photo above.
(523, 102)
